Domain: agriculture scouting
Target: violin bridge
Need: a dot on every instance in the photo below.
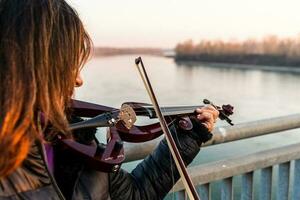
(127, 116)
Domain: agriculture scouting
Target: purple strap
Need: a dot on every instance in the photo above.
(48, 147)
(50, 157)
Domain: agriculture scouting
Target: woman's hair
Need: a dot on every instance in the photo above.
(43, 45)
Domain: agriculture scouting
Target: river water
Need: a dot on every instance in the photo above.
(255, 94)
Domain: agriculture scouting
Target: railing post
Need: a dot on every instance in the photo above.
(180, 195)
(296, 185)
(204, 191)
(283, 181)
(247, 186)
(265, 188)
(226, 190)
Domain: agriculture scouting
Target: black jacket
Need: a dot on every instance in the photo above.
(151, 179)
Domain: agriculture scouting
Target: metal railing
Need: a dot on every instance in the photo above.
(225, 170)
(279, 161)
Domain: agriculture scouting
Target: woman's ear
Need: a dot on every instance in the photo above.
(78, 81)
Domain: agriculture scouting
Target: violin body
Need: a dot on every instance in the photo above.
(109, 157)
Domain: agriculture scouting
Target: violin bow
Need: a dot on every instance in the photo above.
(187, 182)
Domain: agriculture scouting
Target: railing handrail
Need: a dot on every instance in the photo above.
(225, 134)
(221, 169)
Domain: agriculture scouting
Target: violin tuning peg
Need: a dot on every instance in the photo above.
(228, 109)
(206, 101)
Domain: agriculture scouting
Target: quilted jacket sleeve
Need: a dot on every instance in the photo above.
(155, 176)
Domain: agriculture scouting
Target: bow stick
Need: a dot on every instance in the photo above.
(189, 187)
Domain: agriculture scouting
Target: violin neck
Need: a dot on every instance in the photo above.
(171, 110)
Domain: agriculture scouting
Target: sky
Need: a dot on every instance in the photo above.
(164, 23)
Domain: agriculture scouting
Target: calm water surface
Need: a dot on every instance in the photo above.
(255, 94)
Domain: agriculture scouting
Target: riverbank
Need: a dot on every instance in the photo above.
(283, 69)
(258, 60)
(112, 51)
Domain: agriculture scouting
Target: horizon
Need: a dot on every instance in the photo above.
(163, 24)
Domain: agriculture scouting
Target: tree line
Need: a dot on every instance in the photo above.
(285, 50)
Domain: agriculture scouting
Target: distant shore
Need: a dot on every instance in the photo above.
(271, 68)
(269, 60)
(111, 51)
(270, 50)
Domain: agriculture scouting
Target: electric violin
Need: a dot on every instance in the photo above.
(109, 157)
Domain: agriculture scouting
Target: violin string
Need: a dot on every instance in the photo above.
(140, 111)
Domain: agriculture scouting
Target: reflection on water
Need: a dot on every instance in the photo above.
(256, 94)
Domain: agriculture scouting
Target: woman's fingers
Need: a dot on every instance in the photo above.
(209, 109)
(207, 120)
(207, 116)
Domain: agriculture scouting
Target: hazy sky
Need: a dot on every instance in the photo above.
(163, 23)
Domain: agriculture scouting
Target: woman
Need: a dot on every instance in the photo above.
(43, 46)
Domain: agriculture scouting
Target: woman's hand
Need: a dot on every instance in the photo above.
(207, 115)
